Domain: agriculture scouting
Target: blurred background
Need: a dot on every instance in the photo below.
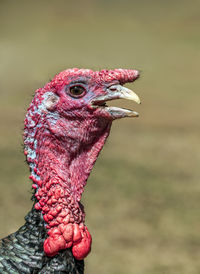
(143, 197)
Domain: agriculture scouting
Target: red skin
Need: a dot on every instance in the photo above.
(63, 137)
(66, 236)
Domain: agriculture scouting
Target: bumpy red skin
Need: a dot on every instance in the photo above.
(63, 137)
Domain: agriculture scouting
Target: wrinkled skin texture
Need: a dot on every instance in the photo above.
(63, 137)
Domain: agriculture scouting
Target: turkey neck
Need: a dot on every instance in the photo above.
(60, 167)
(22, 251)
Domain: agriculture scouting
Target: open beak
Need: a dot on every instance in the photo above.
(117, 92)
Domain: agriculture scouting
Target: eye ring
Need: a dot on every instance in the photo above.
(77, 91)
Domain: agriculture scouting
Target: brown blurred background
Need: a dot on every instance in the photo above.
(143, 197)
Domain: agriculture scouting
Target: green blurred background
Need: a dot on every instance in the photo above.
(143, 197)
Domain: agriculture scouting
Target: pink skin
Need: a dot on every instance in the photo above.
(63, 137)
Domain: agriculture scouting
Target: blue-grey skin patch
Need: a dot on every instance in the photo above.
(41, 110)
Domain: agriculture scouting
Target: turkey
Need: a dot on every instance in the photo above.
(66, 126)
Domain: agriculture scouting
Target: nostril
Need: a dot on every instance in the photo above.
(113, 88)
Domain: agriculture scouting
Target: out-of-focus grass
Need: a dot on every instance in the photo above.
(142, 199)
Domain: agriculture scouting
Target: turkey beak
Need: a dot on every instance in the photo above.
(116, 92)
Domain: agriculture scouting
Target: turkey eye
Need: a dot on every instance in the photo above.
(77, 91)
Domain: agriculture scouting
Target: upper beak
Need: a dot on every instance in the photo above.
(117, 92)
(120, 92)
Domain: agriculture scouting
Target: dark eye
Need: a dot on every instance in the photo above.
(77, 91)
